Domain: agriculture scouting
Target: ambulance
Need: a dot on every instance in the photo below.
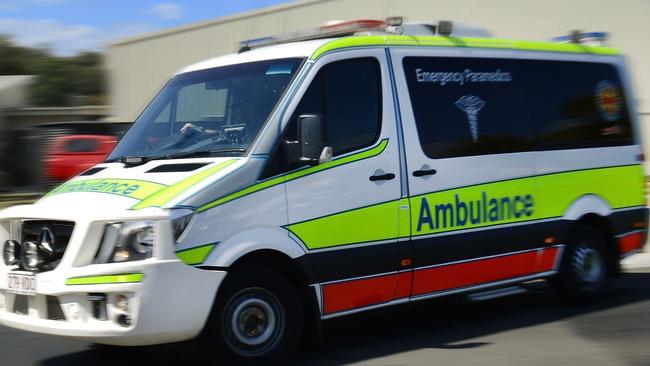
(327, 172)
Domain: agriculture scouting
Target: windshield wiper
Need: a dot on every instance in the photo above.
(131, 161)
(200, 153)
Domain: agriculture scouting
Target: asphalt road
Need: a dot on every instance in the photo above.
(527, 329)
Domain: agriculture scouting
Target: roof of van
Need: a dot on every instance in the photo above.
(314, 49)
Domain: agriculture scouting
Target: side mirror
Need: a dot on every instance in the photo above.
(310, 147)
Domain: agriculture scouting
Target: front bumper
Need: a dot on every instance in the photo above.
(170, 304)
(168, 301)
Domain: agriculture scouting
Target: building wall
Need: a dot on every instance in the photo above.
(141, 65)
(20, 118)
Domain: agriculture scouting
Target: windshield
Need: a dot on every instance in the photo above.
(208, 112)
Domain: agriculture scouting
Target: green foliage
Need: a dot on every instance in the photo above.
(61, 81)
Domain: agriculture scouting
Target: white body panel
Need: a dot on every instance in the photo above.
(469, 170)
(107, 200)
(249, 223)
(311, 196)
(168, 285)
(298, 49)
(173, 300)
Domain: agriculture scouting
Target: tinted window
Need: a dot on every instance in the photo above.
(575, 105)
(467, 106)
(347, 93)
(212, 111)
(485, 106)
(81, 146)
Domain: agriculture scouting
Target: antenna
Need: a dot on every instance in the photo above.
(245, 47)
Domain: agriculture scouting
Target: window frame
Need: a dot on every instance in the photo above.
(95, 144)
(526, 141)
(555, 145)
(323, 97)
(300, 65)
(277, 152)
(523, 57)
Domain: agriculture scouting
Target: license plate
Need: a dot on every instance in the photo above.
(21, 284)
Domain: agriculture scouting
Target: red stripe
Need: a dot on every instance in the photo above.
(547, 260)
(630, 242)
(404, 282)
(472, 273)
(364, 292)
(358, 293)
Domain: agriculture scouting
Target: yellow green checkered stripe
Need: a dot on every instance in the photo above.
(197, 255)
(365, 154)
(371, 223)
(106, 279)
(137, 189)
(165, 195)
(437, 41)
(620, 187)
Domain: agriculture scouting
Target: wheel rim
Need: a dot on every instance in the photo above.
(588, 265)
(253, 321)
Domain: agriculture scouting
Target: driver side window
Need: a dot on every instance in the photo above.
(348, 95)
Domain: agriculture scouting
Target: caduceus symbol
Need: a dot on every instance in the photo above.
(471, 104)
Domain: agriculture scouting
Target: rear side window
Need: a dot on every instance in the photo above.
(81, 146)
(347, 93)
(576, 105)
(467, 106)
(474, 106)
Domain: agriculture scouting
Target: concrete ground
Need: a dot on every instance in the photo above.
(534, 328)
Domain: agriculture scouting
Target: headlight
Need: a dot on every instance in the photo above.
(127, 241)
(181, 218)
(11, 252)
(31, 259)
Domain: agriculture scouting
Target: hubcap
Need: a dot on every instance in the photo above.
(587, 264)
(253, 321)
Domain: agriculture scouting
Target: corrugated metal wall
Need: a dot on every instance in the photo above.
(140, 66)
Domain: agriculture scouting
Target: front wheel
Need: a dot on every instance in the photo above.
(257, 317)
(583, 271)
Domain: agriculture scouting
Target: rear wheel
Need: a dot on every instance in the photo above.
(257, 317)
(584, 267)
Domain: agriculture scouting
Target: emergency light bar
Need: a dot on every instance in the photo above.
(392, 25)
(588, 38)
(327, 30)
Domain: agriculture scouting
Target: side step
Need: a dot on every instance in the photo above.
(494, 294)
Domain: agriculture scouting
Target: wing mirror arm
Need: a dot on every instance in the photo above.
(310, 147)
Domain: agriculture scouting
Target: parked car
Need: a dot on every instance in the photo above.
(72, 154)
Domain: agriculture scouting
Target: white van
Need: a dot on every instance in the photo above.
(262, 192)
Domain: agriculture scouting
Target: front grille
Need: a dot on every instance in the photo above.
(21, 305)
(54, 311)
(52, 239)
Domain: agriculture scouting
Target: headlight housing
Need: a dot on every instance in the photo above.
(181, 219)
(31, 259)
(11, 252)
(126, 241)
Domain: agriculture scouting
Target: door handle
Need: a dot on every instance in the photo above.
(387, 176)
(423, 172)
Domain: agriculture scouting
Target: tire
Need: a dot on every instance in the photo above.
(584, 269)
(257, 318)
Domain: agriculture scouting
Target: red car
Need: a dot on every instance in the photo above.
(72, 154)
